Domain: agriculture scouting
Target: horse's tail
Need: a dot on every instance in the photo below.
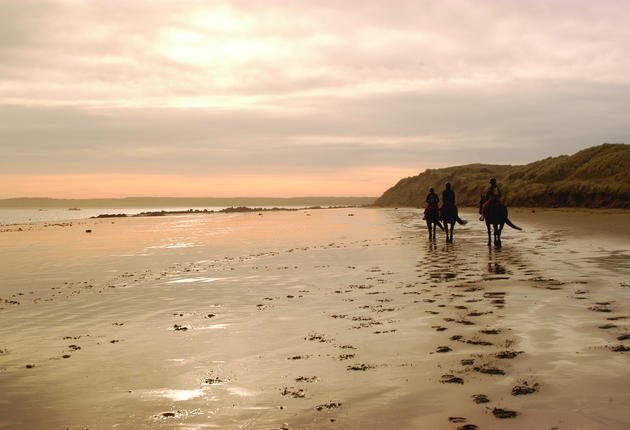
(508, 222)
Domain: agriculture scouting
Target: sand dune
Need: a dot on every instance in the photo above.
(595, 177)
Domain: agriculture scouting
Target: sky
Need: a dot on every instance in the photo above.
(115, 98)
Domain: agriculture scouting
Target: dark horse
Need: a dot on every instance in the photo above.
(448, 214)
(496, 215)
(432, 216)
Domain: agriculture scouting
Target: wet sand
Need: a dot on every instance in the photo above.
(344, 318)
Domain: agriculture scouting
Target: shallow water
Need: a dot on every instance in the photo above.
(252, 321)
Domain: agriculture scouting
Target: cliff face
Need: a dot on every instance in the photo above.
(595, 177)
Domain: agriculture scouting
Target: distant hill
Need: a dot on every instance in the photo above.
(184, 202)
(595, 177)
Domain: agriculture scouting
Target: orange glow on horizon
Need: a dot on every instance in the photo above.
(365, 181)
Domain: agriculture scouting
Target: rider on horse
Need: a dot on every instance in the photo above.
(448, 195)
(493, 196)
(448, 204)
(432, 202)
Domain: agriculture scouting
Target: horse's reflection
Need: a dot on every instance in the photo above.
(494, 266)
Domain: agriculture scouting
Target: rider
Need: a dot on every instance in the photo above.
(432, 201)
(448, 198)
(448, 195)
(493, 195)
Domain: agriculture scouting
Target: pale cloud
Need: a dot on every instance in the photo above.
(296, 87)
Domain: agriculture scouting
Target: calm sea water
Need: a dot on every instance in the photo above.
(20, 216)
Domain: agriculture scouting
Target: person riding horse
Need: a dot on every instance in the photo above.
(448, 212)
(432, 202)
(493, 196)
(494, 213)
(448, 195)
(432, 213)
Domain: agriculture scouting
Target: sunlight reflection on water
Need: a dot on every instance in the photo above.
(176, 395)
(242, 392)
(172, 245)
(213, 327)
(190, 280)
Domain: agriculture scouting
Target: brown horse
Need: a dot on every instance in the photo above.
(495, 215)
(432, 216)
(448, 214)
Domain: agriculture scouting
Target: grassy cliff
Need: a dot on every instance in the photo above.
(595, 177)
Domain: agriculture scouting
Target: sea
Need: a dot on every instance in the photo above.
(10, 216)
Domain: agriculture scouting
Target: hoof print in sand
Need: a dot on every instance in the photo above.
(319, 338)
(525, 388)
(508, 355)
(331, 405)
(467, 427)
(504, 413)
(169, 414)
(360, 367)
(178, 327)
(443, 349)
(306, 379)
(451, 379)
(489, 370)
(607, 326)
(296, 394)
(457, 419)
(620, 348)
(480, 398)
(215, 380)
(298, 357)
(476, 341)
(344, 357)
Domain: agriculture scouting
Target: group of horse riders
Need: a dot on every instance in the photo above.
(492, 211)
(493, 195)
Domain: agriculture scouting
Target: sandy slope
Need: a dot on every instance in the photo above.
(315, 320)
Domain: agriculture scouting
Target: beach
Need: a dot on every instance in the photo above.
(316, 319)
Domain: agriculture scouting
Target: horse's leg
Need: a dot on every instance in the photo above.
(452, 231)
(499, 230)
(489, 233)
(446, 230)
(429, 228)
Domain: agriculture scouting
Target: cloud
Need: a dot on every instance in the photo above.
(302, 87)
(147, 53)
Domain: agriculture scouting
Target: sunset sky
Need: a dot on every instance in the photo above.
(104, 98)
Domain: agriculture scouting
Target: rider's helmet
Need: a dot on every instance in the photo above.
(431, 190)
(493, 181)
(448, 185)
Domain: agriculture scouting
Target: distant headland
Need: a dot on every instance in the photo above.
(596, 177)
(184, 202)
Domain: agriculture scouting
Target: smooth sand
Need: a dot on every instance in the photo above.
(315, 319)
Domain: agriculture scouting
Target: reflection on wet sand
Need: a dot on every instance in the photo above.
(325, 321)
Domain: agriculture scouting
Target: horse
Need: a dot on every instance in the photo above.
(432, 216)
(448, 214)
(495, 215)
